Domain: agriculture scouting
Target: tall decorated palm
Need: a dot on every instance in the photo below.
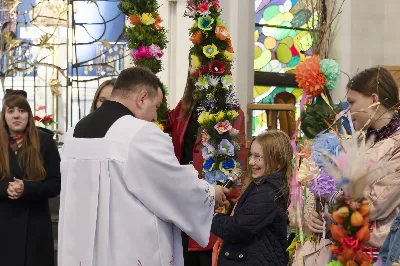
(147, 39)
(211, 57)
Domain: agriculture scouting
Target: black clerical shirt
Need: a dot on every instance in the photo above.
(96, 124)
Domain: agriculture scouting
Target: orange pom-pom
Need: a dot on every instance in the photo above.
(351, 263)
(134, 19)
(348, 254)
(362, 257)
(363, 234)
(356, 219)
(196, 37)
(309, 76)
(342, 259)
(337, 218)
(222, 33)
(338, 232)
(364, 210)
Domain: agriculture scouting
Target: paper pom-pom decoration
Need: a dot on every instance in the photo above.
(323, 186)
(310, 77)
(308, 172)
(331, 70)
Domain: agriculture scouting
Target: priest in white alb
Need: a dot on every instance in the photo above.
(125, 198)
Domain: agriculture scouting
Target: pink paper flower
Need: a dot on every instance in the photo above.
(156, 51)
(223, 127)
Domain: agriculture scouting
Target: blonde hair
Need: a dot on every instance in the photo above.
(278, 156)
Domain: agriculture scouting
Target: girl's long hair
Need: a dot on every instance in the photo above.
(188, 99)
(277, 156)
(29, 157)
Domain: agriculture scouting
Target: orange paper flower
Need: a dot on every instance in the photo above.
(338, 232)
(222, 33)
(196, 37)
(134, 19)
(157, 24)
(230, 48)
(310, 77)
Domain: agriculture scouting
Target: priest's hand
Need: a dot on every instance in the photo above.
(220, 195)
(15, 189)
(315, 224)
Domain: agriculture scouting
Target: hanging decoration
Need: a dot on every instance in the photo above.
(211, 57)
(147, 39)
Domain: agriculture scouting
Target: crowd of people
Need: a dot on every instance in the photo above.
(132, 195)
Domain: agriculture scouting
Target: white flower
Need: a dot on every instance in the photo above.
(227, 81)
(202, 82)
(213, 80)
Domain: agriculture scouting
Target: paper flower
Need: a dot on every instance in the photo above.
(208, 165)
(202, 82)
(216, 6)
(323, 186)
(220, 115)
(159, 125)
(204, 8)
(157, 23)
(210, 51)
(233, 132)
(205, 23)
(213, 80)
(196, 37)
(226, 148)
(308, 171)
(331, 70)
(230, 48)
(217, 67)
(310, 77)
(156, 52)
(195, 62)
(147, 19)
(229, 56)
(223, 127)
(142, 52)
(204, 137)
(227, 81)
(134, 19)
(208, 151)
(203, 117)
(213, 176)
(222, 33)
(324, 142)
(227, 165)
(233, 113)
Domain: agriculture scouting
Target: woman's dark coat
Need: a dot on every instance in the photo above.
(256, 234)
(25, 224)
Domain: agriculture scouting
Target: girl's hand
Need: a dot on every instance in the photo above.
(224, 208)
(396, 264)
(15, 189)
(315, 224)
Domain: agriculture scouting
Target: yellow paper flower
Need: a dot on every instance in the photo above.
(210, 50)
(203, 117)
(159, 125)
(229, 56)
(220, 115)
(195, 62)
(147, 19)
(234, 114)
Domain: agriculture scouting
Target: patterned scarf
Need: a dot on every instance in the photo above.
(386, 131)
(15, 142)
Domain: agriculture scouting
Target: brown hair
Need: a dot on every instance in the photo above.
(277, 155)
(376, 80)
(29, 157)
(188, 99)
(97, 95)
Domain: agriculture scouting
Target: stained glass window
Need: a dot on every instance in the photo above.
(281, 41)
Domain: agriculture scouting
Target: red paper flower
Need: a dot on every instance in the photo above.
(48, 118)
(310, 77)
(351, 242)
(203, 7)
(36, 118)
(216, 5)
(203, 71)
(217, 67)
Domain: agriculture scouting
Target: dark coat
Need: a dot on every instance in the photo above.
(257, 232)
(25, 225)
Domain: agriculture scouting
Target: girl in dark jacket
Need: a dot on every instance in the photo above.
(256, 233)
(29, 176)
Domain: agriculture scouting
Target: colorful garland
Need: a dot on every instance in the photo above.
(147, 39)
(211, 59)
